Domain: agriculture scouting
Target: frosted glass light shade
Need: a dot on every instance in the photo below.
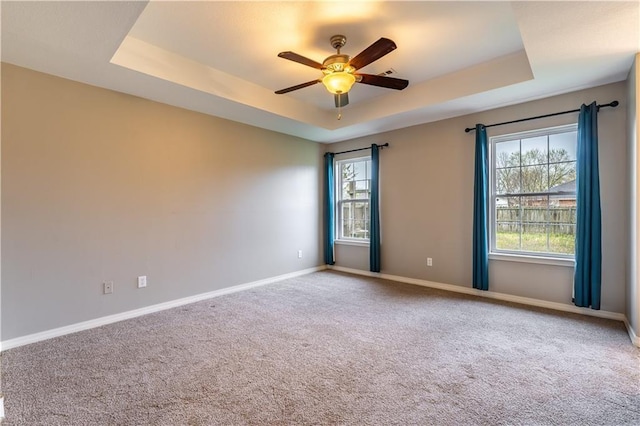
(338, 82)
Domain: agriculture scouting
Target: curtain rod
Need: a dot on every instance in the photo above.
(359, 149)
(612, 104)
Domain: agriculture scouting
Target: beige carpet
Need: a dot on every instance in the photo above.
(330, 348)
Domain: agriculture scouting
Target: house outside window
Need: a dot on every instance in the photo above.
(353, 181)
(533, 193)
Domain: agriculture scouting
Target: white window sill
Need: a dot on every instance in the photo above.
(556, 261)
(353, 243)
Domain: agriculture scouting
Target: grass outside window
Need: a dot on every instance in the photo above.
(558, 243)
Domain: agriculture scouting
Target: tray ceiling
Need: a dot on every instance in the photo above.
(220, 58)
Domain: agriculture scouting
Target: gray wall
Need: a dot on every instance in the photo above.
(633, 128)
(427, 200)
(99, 185)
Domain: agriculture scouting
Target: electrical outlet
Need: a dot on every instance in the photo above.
(142, 281)
(429, 261)
(107, 287)
(299, 254)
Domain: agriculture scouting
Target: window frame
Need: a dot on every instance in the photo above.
(339, 201)
(521, 255)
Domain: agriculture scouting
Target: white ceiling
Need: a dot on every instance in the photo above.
(220, 58)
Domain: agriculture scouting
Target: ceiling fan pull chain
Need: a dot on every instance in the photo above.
(340, 111)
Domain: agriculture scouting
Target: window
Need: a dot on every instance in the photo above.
(353, 178)
(533, 192)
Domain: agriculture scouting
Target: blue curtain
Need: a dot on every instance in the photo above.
(374, 206)
(329, 187)
(480, 199)
(587, 277)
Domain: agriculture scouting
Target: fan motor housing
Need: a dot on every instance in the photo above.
(337, 63)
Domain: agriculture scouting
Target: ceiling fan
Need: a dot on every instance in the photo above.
(340, 70)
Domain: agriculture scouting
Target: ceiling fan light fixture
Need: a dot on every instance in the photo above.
(338, 82)
(340, 70)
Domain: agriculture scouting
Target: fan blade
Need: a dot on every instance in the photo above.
(372, 53)
(341, 100)
(300, 59)
(299, 86)
(380, 81)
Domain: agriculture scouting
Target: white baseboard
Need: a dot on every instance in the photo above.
(498, 296)
(635, 339)
(98, 322)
